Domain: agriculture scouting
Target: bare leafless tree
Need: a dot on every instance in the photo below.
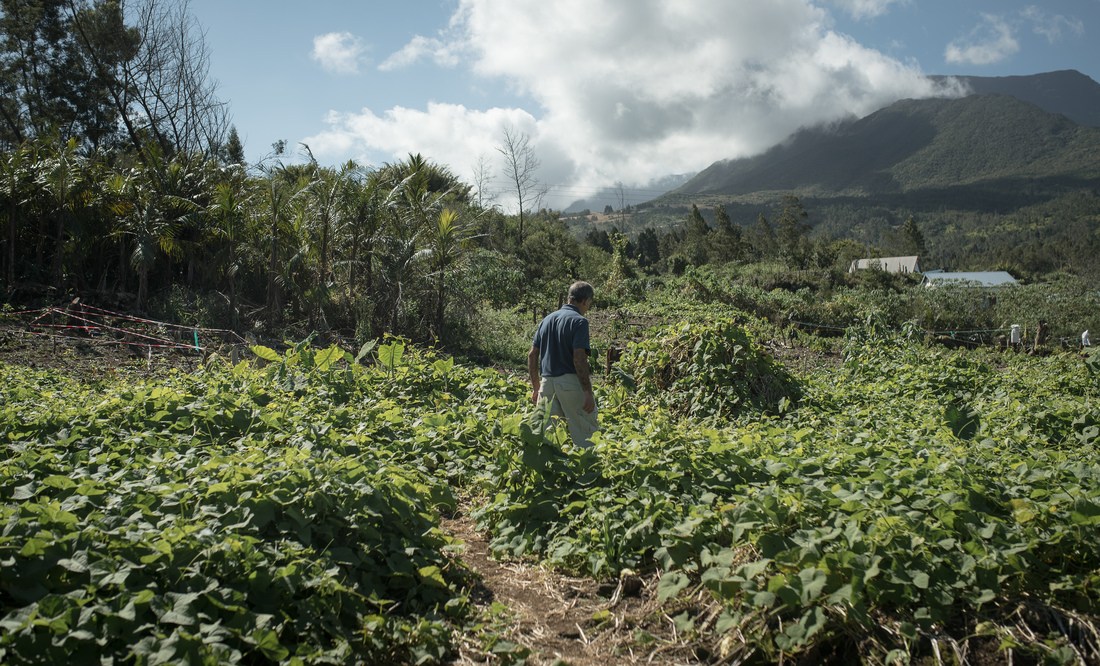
(164, 91)
(483, 179)
(170, 79)
(520, 165)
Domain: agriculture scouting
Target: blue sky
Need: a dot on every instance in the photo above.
(608, 91)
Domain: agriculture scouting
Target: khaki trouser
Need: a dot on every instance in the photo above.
(565, 398)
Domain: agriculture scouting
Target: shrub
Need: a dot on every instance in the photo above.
(711, 369)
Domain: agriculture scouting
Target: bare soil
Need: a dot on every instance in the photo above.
(88, 360)
(564, 619)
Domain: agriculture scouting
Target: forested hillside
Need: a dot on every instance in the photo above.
(918, 145)
(991, 181)
(1067, 92)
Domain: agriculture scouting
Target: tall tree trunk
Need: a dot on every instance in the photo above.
(40, 247)
(143, 288)
(439, 306)
(272, 267)
(123, 265)
(353, 272)
(58, 268)
(234, 316)
(12, 225)
(231, 277)
(369, 270)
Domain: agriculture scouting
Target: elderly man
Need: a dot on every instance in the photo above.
(561, 380)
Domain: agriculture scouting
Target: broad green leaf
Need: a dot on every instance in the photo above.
(844, 594)
(266, 353)
(920, 579)
(327, 357)
(444, 366)
(34, 547)
(367, 348)
(763, 599)
(390, 355)
(753, 569)
(432, 574)
(24, 492)
(267, 641)
(813, 583)
(60, 482)
(985, 596)
(672, 584)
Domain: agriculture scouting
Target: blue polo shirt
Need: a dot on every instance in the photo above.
(558, 335)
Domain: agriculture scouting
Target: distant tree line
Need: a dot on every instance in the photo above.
(401, 248)
(697, 242)
(1033, 236)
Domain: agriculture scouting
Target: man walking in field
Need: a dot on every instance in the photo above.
(561, 379)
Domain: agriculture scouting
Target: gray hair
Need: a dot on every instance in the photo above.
(581, 291)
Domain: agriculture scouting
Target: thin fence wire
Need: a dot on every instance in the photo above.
(974, 336)
(101, 327)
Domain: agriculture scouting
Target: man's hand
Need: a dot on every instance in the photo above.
(535, 397)
(584, 375)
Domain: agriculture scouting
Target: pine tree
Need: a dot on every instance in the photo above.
(234, 149)
(913, 238)
(696, 245)
(648, 250)
(792, 230)
(728, 243)
(763, 240)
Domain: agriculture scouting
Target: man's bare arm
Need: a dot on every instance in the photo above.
(584, 372)
(533, 373)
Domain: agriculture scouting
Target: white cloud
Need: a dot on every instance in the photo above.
(628, 93)
(445, 133)
(992, 41)
(440, 52)
(1053, 27)
(339, 52)
(863, 9)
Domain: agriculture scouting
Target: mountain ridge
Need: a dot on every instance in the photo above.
(1067, 91)
(923, 143)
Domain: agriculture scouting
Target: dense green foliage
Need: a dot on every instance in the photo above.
(212, 519)
(913, 492)
(362, 251)
(121, 182)
(290, 511)
(708, 370)
(826, 302)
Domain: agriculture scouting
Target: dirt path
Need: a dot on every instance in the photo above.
(565, 620)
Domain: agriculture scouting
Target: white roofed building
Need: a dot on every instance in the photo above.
(888, 264)
(970, 279)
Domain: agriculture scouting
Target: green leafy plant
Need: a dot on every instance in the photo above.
(712, 369)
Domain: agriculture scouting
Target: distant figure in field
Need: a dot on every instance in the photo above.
(561, 379)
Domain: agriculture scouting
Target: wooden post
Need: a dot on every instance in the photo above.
(613, 355)
(1040, 333)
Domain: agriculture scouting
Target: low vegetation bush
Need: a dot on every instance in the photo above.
(709, 370)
